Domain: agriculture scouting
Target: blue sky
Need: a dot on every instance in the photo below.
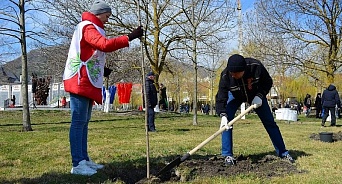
(10, 47)
(246, 4)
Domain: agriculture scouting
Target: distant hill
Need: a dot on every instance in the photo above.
(7, 76)
(43, 62)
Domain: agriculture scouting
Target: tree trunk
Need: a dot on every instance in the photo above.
(24, 82)
(194, 54)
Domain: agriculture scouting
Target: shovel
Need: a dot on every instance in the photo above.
(179, 160)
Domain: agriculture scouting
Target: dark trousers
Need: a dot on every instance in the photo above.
(326, 114)
(150, 119)
(266, 117)
(318, 112)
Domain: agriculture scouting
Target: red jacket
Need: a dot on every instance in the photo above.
(91, 41)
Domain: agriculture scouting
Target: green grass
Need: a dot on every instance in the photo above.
(43, 155)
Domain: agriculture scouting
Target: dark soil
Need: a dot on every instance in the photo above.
(268, 166)
(263, 165)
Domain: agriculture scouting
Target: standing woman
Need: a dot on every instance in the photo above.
(83, 78)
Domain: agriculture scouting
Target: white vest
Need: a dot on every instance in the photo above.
(94, 65)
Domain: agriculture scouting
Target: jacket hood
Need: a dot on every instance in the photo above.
(331, 87)
(92, 18)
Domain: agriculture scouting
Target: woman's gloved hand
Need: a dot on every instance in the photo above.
(136, 33)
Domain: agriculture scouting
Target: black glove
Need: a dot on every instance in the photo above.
(136, 33)
(107, 71)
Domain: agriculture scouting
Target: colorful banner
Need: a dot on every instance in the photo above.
(112, 91)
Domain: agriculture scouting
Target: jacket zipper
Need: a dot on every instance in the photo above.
(244, 88)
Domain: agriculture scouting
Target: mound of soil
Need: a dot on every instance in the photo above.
(267, 166)
(264, 165)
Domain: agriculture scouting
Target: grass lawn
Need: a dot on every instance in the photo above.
(119, 142)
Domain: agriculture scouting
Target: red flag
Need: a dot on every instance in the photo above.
(124, 92)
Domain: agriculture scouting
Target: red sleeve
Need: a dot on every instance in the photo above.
(99, 42)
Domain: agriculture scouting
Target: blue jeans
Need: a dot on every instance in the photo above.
(266, 117)
(150, 119)
(78, 136)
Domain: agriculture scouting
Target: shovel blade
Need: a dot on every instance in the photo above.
(169, 166)
(226, 126)
(174, 163)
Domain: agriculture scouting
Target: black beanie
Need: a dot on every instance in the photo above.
(236, 63)
(150, 74)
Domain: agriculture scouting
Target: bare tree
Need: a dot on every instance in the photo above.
(18, 26)
(122, 62)
(203, 22)
(212, 62)
(311, 30)
(158, 18)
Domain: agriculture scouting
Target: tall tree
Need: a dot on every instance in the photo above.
(312, 31)
(204, 22)
(15, 31)
(24, 84)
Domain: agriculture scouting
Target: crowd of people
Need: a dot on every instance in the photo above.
(324, 105)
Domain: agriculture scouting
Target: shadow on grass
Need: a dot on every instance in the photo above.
(66, 122)
(134, 171)
(119, 116)
(128, 172)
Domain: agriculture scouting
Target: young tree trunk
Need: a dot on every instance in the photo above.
(24, 82)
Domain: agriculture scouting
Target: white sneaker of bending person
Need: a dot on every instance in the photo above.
(94, 165)
(83, 169)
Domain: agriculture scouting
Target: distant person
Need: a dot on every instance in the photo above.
(13, 100)
(247, 80)
(299, 107)
(330, 99)
(63, 102)
(162, 97)
(318, 105)
(152, 100)
(274, 108)
(171, 105)
(307, 104)
(83, 78)
(12, 104)
(207, 109)
(187, 107)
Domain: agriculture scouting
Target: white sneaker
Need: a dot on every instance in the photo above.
(94, 165)
(83, 169)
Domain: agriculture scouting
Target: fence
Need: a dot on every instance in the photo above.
(56, 92)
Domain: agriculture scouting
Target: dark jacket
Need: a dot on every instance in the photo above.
(318, 101)
(307, 101)
(162, 93)
(256, 81)
(330, 97)
(151, 93)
